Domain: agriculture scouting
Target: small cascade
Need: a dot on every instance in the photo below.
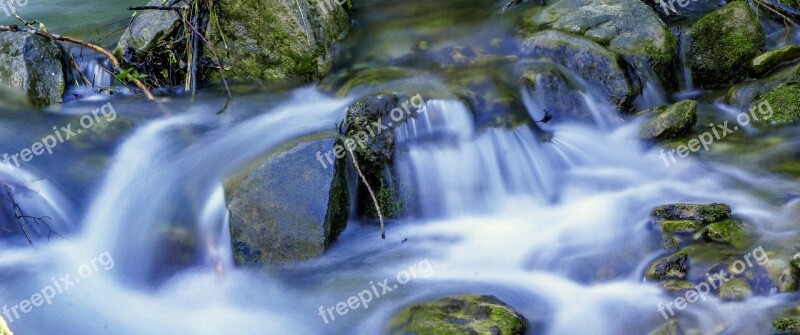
(454, 169)
(685, 72)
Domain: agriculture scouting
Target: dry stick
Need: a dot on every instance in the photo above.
(371, 193)
(219, 61)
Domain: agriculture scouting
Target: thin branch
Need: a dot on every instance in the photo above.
(369, 188)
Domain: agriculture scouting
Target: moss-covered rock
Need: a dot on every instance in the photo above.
(670, 122)
(602, 69)
(4, 328)
(765, 62)
(723, 44)
(735, 289)
(783, 275)
(288, 206)
(784, 102)
(626, 27)
(787, 326)
(277, 39)
(459, 315)
(34, 66)
(674, 266)
(670, 327)
(732, 231)
(679, 226)
(676, 286)
(705, 213)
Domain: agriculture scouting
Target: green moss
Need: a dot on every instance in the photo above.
(732, 231)
(724, 42)
(784, 102)
(465, 314)
(788, 325)
(705, 213)
(671, 122)
(674, 266)
(770, 59)
(678, 226)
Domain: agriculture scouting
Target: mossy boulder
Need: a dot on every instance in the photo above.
(277, 39)
(784, 102)
(602, 69)
(288, 206)
(705, 213)
(626, 27)
(679, 226)
(670, 122)
(676, 286)
(787, 326)
(735, 289)
(34, 66)
(459, 315)
(4, 327)
(724, 43)
(732, 231)
(674, 266)
(765, 62)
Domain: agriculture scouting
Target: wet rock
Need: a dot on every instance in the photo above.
(724, 43)
(670, 327)
(33, 65)
(288, 206)
(787, 325)
(676, 286)
(608, 73)
(278, 39)
(4, 328)
(627, 27)
(783, 275)
(457, 315)
(735, 289)
(670, 122)
(765, 62)
(674, 266)
(147, 29)
(705, 213)
(557, 94)
(366, 120)
(784, 104)
(679, 226)
(732, 231)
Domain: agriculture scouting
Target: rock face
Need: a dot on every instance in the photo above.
(724, 43)
(289, 206)
(670, 122)
(607, 72)
(34, 65)
(276, 39)
(626, 27)
(460, 315)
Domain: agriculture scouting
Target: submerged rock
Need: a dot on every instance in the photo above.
(674, 266)
(735, 289)
(724, 43)
(670, 122)
(288, 206)
(33, 65)
(670, 327)
(765, 62)
(459, 315)
(626, 27)
(607, 72)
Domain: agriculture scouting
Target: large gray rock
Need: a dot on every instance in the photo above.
(34, 65)
(147, 29)
(600, 67)
(288, 206)
(627, 27)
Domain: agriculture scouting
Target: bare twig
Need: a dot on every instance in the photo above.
(369, 188)
(21, 217)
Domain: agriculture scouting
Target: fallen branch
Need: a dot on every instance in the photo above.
(21, 217)
(369, 188)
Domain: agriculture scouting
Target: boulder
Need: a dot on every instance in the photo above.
(735, 289)
(626, 27)
(556, 92)
(732, 231)
(784, 101)
(765, 62)
(724, 43)
(33, 65)
(705, 213)
(290, 206)
(459, 315)
(670, 122)
(602, 69)
(147, 29)
(674, 266)
(277, 39)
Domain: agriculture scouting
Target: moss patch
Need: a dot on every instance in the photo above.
(465, 314)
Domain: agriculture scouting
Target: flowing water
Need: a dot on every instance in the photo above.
(550, 218)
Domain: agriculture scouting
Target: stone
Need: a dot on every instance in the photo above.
(674, 266)
(670, 122)
(735, 289)
(765, 62)
(459, 315)
(33, 65)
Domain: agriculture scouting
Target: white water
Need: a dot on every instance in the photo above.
(556, 229)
